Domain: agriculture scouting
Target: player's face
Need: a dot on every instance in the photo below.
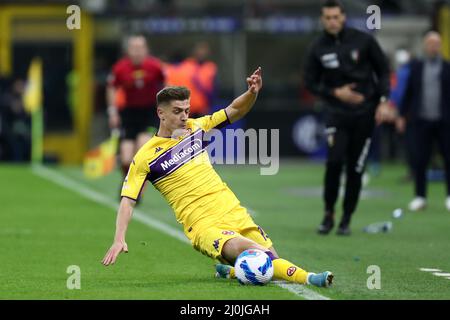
(174, 116)
(333, 20)
(433, 45)
(137, 49)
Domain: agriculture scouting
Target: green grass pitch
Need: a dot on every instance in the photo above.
(45, 228)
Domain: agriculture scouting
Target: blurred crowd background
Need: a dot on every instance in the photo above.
(235, 35)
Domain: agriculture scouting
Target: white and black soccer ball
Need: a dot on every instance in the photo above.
(254, 267)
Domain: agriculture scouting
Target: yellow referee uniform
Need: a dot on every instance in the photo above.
(181, 170)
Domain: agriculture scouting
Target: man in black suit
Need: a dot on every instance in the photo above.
(349, 71)
(426, 105)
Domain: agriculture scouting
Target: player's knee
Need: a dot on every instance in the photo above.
(234, 247)
(245, 244)
(229, 251)
(231, 248)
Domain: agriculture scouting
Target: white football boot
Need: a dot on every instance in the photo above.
(447, 203)
(418, 203)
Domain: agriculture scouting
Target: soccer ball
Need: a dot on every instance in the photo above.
(253, 266)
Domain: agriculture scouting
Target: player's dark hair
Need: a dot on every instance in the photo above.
(332, 4)
(169, 94)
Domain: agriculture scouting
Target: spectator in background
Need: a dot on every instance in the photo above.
(386, 132)
(403, 68)
(15, 124)
(136, 79)
(3, 109)
(426, 107)
(198, 74)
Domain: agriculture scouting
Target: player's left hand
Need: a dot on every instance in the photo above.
(113, 252)
(254, 82)
(385, 113)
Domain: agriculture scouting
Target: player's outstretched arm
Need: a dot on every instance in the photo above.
(123, 218)
(244, 103)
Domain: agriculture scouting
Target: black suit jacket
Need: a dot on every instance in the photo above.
(412, 100)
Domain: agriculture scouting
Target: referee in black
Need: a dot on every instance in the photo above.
(349, 71)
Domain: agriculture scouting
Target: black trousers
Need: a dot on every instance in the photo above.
(425, 133)
(349, 138)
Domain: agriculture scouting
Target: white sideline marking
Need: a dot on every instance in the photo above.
(300, 290)
(95, 196)
(440, 274)
(437, 272)
(430, 270)
(85, 191)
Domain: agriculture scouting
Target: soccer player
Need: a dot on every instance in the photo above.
(176, 163)
(140, 76)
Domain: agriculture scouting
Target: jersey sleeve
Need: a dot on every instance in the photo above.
(218, 119)
(113, 76)
(134, 181)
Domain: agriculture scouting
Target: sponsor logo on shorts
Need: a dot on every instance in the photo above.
(228, 233)
(291, 271)
(216, 244)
